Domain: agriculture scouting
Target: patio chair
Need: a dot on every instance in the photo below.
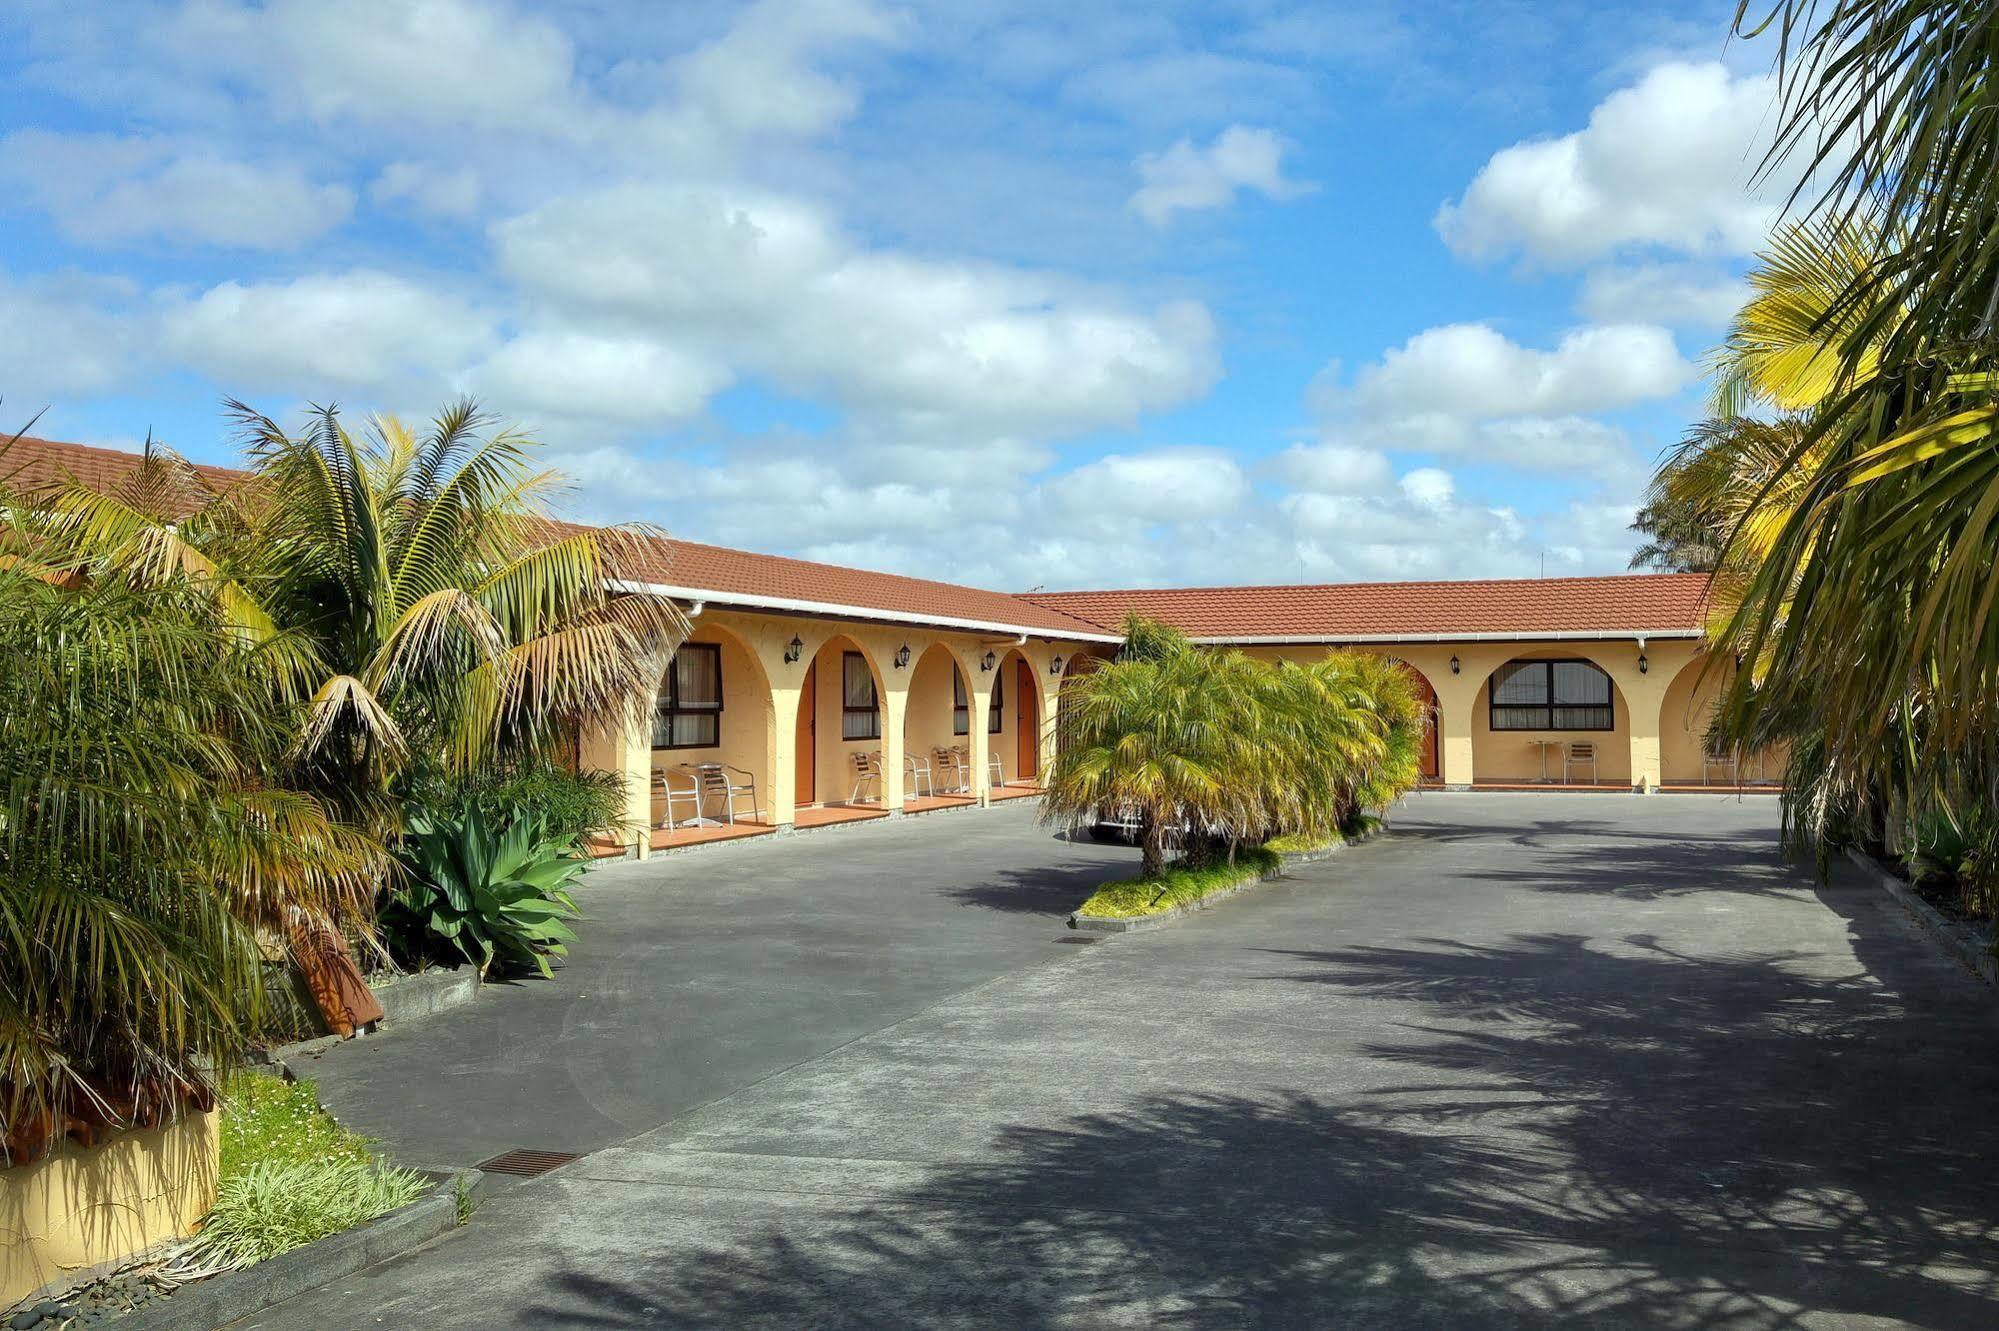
(1727, 759)
(729, 785)
(947, 763)
(917, 779)
(689, 794)
(995, 770)
(1579, 753)
(867, 770)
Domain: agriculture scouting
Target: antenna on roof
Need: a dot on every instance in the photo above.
(1544, 563)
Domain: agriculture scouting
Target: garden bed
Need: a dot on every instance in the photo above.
(300, 1201)
(1135, 903)
(1968, 944)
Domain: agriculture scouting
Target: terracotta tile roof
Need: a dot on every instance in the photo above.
(721, 571)
(33, 464)
(1625, 603)
(1511, 607)
(37, 464)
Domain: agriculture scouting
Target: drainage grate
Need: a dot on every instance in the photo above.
(522, 1162)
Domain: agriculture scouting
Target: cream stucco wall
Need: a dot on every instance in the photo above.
(928, 719)
(747, 729)
(82, 1208)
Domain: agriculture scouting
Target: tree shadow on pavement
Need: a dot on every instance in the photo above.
(1567, 1135)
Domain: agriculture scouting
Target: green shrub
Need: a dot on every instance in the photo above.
(470, 893)
(565, 803)
(273, 1206)
(1179, 885)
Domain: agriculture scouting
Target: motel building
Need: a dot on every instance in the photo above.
(809, 694)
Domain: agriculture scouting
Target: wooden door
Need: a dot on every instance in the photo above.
(1432, 723)
(1026, 722)
(806, 741)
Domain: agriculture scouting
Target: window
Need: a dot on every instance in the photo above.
(688, 714)
(961, 707)
(1551, 695)
(996, 710)
(860, 715)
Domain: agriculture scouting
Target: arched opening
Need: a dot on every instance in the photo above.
(1431, 767)
(1684, 716)
(936, 733)
(714, 740)
(1532, 710)
(1015, 708)
(840, 716)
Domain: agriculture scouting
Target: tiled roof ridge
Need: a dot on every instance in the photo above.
(1386, 583)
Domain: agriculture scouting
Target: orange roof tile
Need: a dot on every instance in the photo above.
(1506, 607)
(39, 464)
(1522, 607)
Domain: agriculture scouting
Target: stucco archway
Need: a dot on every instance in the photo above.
(831, 726)
(714, 706)
(1512, 755)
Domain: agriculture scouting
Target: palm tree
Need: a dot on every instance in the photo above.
(430, 608)
(142, 847)
(1224, 749)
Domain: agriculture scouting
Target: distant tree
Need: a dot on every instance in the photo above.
(1678, 539)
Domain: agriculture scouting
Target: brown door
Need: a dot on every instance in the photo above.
(1026, 723)
(1431, 723)
(806, 741)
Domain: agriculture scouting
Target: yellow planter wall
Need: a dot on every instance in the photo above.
(79, 1208)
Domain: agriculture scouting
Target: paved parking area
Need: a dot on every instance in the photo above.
(1532, 1060)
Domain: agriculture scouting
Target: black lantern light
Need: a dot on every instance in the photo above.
(1055, 666)
(1454, 665)
(793, 650)
(902, 657)
(987, 661)
(1643, 665)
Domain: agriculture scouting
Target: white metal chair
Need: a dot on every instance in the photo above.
(917, 779)
(729, 785)
(995, 770)
(690, 794)
(949, 764)
(1727, 759)
(1579, 753)
(867, 770)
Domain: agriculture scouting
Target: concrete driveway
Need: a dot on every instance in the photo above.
(1531, 1061)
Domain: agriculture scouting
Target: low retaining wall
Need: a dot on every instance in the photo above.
(84, 1210)
(1966, 949)
(234, 1295)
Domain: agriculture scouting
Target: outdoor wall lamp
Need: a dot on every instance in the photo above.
(1454, 665)
(1055, 666)
(902, 657)
(793, 650)
(1643, 664)
(987, 662)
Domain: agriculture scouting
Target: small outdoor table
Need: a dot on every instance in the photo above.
(1543, 746)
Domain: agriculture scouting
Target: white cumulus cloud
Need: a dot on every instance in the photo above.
(1189, 178)
(1665, 163)
(106, 189)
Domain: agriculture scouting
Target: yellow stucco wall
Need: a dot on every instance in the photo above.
(746, 733)
(927, 720)
(81, 1208)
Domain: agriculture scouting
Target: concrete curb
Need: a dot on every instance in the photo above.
(227, 1298)
(427, 992)
(1965, 951)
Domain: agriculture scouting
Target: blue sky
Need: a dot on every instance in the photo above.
(1049, 294)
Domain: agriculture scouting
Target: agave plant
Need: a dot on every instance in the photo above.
(491, 897)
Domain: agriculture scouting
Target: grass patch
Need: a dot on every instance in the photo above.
(269, 1118)
(290, 1175)
(1291, 843)
(1130, 898)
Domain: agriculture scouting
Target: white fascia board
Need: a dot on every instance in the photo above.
(1338, 639)
(828, 610)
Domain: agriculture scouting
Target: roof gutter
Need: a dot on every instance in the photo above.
(1561, 635)
(833, 611)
